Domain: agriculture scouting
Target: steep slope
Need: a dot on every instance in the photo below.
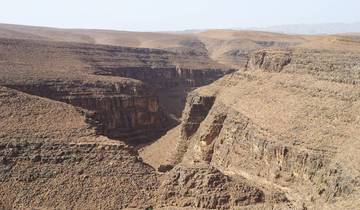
(98, 78)
(288, 122)
(51, 158)
(279, 133)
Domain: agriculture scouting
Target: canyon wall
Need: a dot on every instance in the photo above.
(280, 127)
(52, 157)
(128, 89)
(121, 111)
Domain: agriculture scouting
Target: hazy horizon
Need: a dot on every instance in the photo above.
(162, 15)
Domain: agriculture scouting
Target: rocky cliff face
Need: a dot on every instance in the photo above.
(120, 85)
(280, 133)
(260, 126)
(270, 60)
(232, 142)
(121, 111)
(207, 188)
(168, 77)
(196, 109)
(195, 112)
(331, 65)
(51, 157)
(171, 85)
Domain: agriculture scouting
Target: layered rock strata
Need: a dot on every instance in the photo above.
(289, 129)
(97, 78)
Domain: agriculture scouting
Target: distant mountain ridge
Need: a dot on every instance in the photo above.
(324, 28)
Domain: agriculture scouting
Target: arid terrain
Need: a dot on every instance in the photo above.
(217, 119)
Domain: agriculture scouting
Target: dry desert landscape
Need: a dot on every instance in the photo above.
(215, 119)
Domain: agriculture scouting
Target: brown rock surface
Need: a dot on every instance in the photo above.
(292, 131)
(52, 158)
(97, 78)
(279, 133)
(205, 188)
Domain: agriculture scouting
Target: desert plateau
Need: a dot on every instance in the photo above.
(211, 119)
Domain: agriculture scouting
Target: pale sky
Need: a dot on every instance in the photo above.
(156, 15)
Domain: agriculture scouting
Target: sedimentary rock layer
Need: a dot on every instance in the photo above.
(288, 131)
(97, 78)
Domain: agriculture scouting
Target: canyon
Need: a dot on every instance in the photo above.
(220, 119)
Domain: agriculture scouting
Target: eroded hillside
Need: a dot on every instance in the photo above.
(288, 122)
(121, 85)
(51, 158)
(272, 124)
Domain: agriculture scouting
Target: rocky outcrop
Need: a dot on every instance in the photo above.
(339, 65)
(227, 138)
(208, 130)
(330, 65)
(126, 112)
(244, 148)
(208, 188)
(170, 75)
(262, 156)
(50, 157)
(105, 80)
(63, 176)
(196, 110)
(270, 60)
